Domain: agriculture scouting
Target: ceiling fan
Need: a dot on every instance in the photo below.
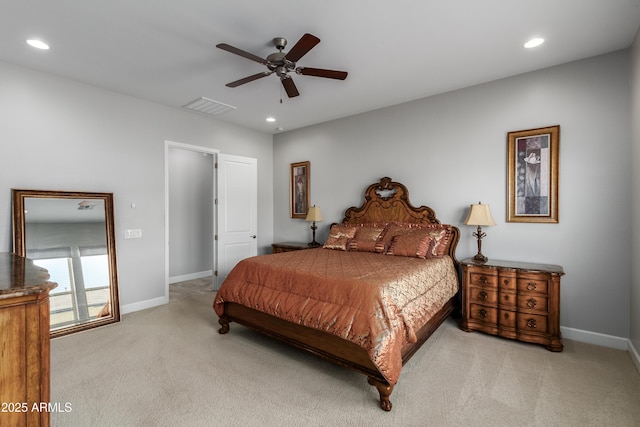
(284, 63)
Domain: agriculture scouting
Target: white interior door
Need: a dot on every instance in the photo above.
(237, 194)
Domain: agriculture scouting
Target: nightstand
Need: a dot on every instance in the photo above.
(513, 300)
(289, 246)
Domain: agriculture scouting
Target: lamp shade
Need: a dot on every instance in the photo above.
(314, 214)
(479, 215)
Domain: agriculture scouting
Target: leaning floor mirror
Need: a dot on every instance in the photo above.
(71, 234)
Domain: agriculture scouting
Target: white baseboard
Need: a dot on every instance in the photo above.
(596, 338)
(191, 276)
(635, 357)
(142, 305)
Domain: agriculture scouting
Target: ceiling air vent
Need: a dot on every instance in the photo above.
(208, 106)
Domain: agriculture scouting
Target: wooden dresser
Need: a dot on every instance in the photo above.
(289, 246)
(513, 300)
(24, 342)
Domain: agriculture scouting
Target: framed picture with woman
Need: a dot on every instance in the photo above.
(299, 189)
(532, 184)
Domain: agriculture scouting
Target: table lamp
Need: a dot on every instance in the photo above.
(479, 215)
(314, 215)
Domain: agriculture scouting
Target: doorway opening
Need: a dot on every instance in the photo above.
(190, 214)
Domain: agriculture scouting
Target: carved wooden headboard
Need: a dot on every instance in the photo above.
(388, 201)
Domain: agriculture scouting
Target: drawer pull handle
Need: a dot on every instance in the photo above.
(483, 280)
(531, 303)
(505, 282)
(482, 314)
(483, 296)
(531, 323)
(531, 286)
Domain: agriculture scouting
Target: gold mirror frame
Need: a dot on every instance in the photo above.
(20, 248)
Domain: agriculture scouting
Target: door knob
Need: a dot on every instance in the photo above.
(254, 236)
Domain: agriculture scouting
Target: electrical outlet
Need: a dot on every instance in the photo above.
(133, 234)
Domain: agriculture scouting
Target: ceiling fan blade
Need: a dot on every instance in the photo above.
(304, 45)
(319, 72)
(289, 86)
(249, 79)
(242, 53)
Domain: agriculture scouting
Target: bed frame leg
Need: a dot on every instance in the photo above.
(224, 323)
(385, 391)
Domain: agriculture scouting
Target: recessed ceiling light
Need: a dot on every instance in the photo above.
(271, 119)
(534, 42)
(38, 44)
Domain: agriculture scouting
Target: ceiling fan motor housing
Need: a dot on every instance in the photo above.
(278, 63)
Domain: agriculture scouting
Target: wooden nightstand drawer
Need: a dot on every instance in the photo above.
(532, 302)
(487, 280)
(532, 323)
(483, 296)
(507, 318)
(482, 313)
(507, 283)
(508, 299)
(532, 285)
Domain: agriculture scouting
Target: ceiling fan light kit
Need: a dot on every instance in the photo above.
(282, 63)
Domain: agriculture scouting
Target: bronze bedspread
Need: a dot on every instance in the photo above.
(375, 301)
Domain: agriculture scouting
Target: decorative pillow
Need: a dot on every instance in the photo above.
(415, 244)
(366, 238)
(339, 237)
(440, 234)
(394, 229)
(441, 238)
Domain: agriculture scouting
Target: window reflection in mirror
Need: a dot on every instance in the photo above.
(71, 235)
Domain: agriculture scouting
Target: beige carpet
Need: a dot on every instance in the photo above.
(168, 366)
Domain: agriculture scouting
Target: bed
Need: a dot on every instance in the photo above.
(382, 283)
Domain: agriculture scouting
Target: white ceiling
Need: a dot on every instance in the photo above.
(394, 51)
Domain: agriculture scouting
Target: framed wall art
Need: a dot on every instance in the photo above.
(532, 182)
(299, 189)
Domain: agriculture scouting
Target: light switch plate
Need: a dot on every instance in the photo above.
(133, 233)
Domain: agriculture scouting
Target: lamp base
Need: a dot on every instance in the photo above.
(313, 243)
(480, 259)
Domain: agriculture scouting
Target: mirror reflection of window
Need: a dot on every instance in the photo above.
(61, 300)
(80, 296)
(95, 270)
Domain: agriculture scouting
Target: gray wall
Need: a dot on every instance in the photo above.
(57, 134)
(635, 197)
(450, 151)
